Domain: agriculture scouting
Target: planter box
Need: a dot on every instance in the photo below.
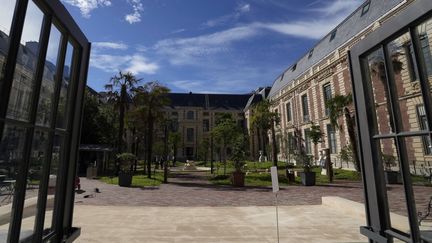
(393, 177)
(125, 179)
(290, 176)
(238, 179)
(308, 178)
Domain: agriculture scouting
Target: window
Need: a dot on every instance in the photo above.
(294, 67)
(174, 113)
(190, 115)
(190, 134)
(425, 49)
(427, 143)
(331, 136)
(365, 8)
(327, 93)
(308, 141)
(412, 65)
(205, 114)
(288, 111)
(206, 125)
(333, 35)
(310, 53)
(305, 108)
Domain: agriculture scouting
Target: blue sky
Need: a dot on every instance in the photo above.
(212, 46)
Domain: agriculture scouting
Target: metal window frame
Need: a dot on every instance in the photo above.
(54, 13)
(378, 227)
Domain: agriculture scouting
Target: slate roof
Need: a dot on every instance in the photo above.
(209, 101)
(257, 96)
(351, 26)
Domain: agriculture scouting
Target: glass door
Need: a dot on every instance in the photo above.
(392, 76)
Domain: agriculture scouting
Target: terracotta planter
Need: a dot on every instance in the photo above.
(238, 178)
(308, 178)
(125, 179)
(393, 177)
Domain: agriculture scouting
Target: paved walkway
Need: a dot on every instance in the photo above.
(193, 189)
(215, 224)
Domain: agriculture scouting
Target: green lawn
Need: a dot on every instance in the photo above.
(137, 180)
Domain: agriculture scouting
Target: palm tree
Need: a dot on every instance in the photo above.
(264, 120)
(150, 100)
(119, 88)
(338, 107)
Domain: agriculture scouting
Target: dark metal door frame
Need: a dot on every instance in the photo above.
(378, 227)
(54, 14)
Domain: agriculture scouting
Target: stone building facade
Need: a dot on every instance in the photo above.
(299, 94)
(195, 115)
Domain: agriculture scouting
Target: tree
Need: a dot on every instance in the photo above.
(224, 133)
(315, 134)
(339, 107)
(119, 88)
(264, 120)
(174, 139)
(203, 150)
(150, 100)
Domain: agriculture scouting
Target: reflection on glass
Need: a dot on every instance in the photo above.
(421, 172)
(23, 81)
(11, 155)
(37, 161)
(56, 155)
(424, 32)
(379, 92)
(395, 190)
(406, 79)
(61, 115)
(8, 7)
(46, 97)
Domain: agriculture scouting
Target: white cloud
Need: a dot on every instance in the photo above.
(238, 12)
(135, 16)
(337, 7)
(109, 45)
(136, 63)
(187, 50)
(86, 6)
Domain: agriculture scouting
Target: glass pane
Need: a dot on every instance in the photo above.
(55, 160)
(23, 82)
(46, 97)
(11, 155)
(395, 190)
(421, 172)
(6, 16)
(37, 161)
(378, 91)
(424, 31)
(67, 73)
(407, 84)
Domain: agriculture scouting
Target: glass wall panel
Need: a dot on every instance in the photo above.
(6, 16)
(38, 159)
(403, 70)
(424, 32)
(23, 81)
(11, 156)
(378, 91)
(395, 189)
(66, 81)
(53, 170)
(43, 117)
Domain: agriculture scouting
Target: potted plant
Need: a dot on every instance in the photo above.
(238, 156)
(391, 177)
(308, 177)
(126, 162)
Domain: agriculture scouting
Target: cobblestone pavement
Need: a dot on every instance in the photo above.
(193, 189)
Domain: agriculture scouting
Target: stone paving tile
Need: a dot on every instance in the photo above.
(193, 189)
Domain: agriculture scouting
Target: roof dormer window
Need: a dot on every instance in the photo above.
(365, 8)
(333, 35)
(294, 67)
(310, 53)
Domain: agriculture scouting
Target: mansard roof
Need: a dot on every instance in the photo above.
(351, 26)
(209, 101)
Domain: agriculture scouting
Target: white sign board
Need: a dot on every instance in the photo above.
(275, 181)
